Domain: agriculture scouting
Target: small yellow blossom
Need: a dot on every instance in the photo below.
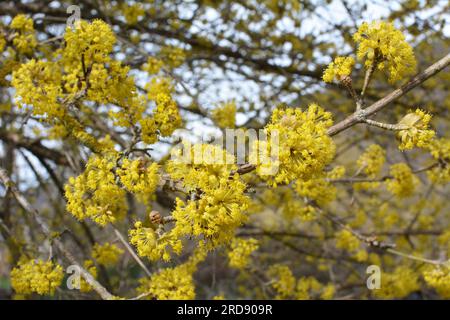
(339, 68)
(304, 145)
(398, 284)
(385, 48)
(284, 282)
(92, 269)
(36, 276)
(439, 279)
(107, 254)
(440, 150)
(154, 245)
(416, 133)
(347, 241)
(403, 182)
(240, 252)
(139, 178)
(225, 115)
(24, 39)
(89, 195)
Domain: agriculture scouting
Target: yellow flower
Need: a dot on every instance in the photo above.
(283, 281)
(304, 145)
(92, 269)
(416, 132)
(36, 276)
(172, 56)
(154, 245)
(107, 254)
(347, 241)
(399, 284)
(172, 283)
(370, 163)
(440, 150)
(89, 195)
(385, 48)
(225, 115)
(339, 68)
(215, 216)
(132, 12)
(240, 252)
(404, 182)
(139, 178)
(37, 83)
(24, 39)
(439, 279)
(153, 65)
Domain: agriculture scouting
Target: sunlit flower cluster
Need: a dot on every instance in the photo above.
(138, 177)
(398, 284)
(107, 254)
(440, 150)
(36, 276)
(89, 195)
(439, 279)
(339, 68)
(416, 133)
(225, 115)
(384, 47)
(24, 39)
(240, 252)
(304, 146)
(403, 182)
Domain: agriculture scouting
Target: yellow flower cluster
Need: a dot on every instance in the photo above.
(385, 48)
(37, 83)
(304, 145)
(398, 284)
(172, 56)
(225, 115)
(218, 212)
(166, 117)
(370, 163)
(24, 38)
(138, 178)
(170, 284)
(200, 165)
(240, 252)
(92, 41)
(132, 12)
(439, 279)
(348, 241)
(339, 68)
(311, 288)
(2, 44)
(288, 287)
(92, 269)
(404, 181)
(89, 195)
(284, 282)
(416, 133)
(36, 276)
(318, 189)
(173, 283)
(440, 150)
(107, 254)
(152, 244)
(372, 160)
(153, 65)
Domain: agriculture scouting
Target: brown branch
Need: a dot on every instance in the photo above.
(358, 116)
(9, 184)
